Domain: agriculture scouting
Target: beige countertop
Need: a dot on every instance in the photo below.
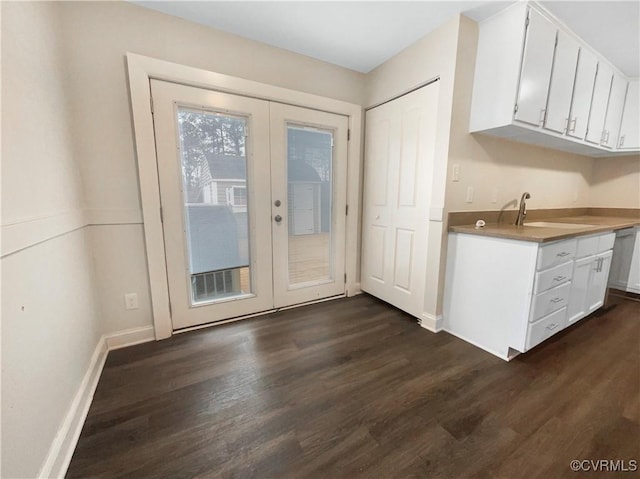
(593, 224)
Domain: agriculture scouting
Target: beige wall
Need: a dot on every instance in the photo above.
(615, 182)
(97, 37)
(50, 327)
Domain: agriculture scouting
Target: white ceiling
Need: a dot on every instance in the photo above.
(363, 34)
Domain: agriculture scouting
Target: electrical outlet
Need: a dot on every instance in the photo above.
(470, 194)
(455, 173)
(131, 301)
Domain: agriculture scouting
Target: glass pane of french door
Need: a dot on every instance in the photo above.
(309, 192)
(214, 185)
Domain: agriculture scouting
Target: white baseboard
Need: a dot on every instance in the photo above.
(431, 323)
(129, 337)
(65, 441)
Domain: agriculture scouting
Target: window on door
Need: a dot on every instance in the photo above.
(214, 160)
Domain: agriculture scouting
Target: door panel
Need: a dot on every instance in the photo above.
(536, 69)
(582, 94)
(601, 91)
(399, 156)
(308, 171)
(565, 62)
(211, 152)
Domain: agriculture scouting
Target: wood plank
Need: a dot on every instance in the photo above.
(355, 388)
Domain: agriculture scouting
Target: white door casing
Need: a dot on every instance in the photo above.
(399, 160)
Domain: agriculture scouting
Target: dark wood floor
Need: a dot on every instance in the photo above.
(355, 388)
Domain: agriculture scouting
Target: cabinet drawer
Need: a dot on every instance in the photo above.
(606, 242)
(587, 246)
(549, 301)
(556, 253)
(553, 277)
(546, 327)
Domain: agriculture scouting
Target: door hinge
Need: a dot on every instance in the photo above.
(345, 277)
(161, 216)
(348, 134)
(346, 210)
(170, 310)
(151, 104)
(556, 44)
(526, 21)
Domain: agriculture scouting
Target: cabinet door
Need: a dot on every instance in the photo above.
(630, 128)
(565, 62)
(582, 94)
(535, 74)
(599, 103)
(578, 304)
(621, 260)
(598, 282)
(614, 111)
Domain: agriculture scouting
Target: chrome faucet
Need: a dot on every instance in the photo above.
(522, 212)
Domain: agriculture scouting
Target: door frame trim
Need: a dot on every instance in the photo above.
(141, 70)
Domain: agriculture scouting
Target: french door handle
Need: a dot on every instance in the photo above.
(278, 218)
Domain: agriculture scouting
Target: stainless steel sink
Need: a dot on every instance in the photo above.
(551, 224)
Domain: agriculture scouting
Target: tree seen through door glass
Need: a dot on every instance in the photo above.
(214, 179)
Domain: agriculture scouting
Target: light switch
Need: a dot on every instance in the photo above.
(455, 173)
(470, 194)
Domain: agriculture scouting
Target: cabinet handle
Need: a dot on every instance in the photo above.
(572, 125)
(542, 115)
(598, 267)
(621, 142)
(564, 253)
(555, 300)
(552, 326)
(559, 278)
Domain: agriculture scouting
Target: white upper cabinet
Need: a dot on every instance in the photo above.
(630, 128)
(599, 103)
(582, 94)
(565, 61)
(614, 112)
(537, 82)
(537, 60)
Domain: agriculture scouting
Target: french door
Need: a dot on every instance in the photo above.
(253, 198)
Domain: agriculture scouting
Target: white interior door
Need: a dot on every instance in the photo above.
(253, 200)
(399, 159)
(308, 174)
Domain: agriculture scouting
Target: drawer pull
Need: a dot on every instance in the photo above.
(563, 254)
(556, 300)
(552, 326)
(559, 278)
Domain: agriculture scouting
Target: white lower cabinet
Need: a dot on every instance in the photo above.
(507, 296)
(590, 274)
